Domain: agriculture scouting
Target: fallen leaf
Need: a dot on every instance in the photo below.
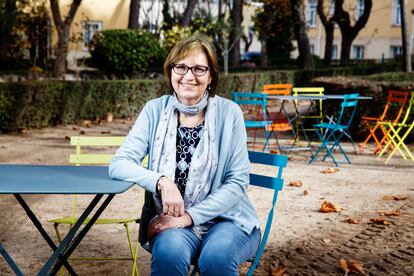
(291, 157)
(352, 220)
(381, 221)
(273, 151)
(344, 265)
(82, 132)
(67, 138)
(356, 266)
(296, 183)
(394, 197)
(87, 123)
(278, 271)
(109, 117)
(395, 213)
(105, 132)
(328, 207)
(326, 240)
(361, 145)
(330, 170)
(305, 192)
(75, 128)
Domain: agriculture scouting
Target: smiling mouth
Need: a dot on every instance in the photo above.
(189, 85)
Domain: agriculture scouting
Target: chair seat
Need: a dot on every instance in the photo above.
(330, 126)
(72, 220)
(257, 123)
(370, 118)
(279, 127)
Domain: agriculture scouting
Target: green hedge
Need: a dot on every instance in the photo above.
(47, 103)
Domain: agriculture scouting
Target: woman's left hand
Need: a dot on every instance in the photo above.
(163, 222)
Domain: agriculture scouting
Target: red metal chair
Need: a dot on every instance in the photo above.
(392, 112)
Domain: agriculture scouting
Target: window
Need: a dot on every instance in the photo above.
(396, 51)
(358, 51)
(396, 13)
(311, 14)
(334, 52)
(360, 8)
(331, 7)
(89, 30)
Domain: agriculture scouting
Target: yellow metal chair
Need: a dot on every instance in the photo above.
(89, 151)
(397, 133)
(315, 110)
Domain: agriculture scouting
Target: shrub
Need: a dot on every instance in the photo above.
(125, 52)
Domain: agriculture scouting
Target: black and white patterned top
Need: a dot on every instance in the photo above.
(187, 141)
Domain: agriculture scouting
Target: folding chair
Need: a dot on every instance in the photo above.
(257, 116)
(393, 131)
(335, 131)
(274, 183)
(394, 106)
(315, 111)
(94, 155)
(277, 89)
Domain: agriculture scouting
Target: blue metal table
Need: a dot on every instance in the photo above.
(48, 179)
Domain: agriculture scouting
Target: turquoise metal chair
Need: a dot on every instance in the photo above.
(331, 133)
(256, 104)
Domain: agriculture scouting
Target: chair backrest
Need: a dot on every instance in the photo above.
(310, 91)
(277, 89)
(396, 101)
(256, 101)
(409, 110)
(348, 108)
(274, 183)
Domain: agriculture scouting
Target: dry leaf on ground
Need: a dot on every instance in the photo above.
(395, 213)
(109, 117)
(381, 221)
(344, 265)
(352, 220)
(328, 207)
(305, 192)
(105, 132)
(356, 266)
(296, 183)
(330, 170)
(291, 157)
(82, 132)
(87, 123)
(394, 197)
(278, 271)
(75, 128)
(274, 151)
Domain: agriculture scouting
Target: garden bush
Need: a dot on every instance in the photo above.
(125, 52)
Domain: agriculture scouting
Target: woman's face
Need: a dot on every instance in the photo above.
(191, 85)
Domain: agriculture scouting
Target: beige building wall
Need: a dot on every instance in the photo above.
(377, 37)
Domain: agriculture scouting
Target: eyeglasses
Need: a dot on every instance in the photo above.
(197, 70)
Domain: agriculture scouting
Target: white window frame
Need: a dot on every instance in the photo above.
(311, 14)
(360, 8)
(334, 54)
(358, 51)
(89, 31)
(396, 13)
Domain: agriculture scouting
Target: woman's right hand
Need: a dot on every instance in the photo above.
(172, 201)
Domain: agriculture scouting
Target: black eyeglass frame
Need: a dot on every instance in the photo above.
(173, 66)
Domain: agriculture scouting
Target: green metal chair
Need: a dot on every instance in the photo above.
(397, 133)
(330, 134)
(88, 151)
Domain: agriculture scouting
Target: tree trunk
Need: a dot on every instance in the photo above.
(236, 20)
(299, 24)
(188, 13)
(134, 7)
(349, 32)
(63, 30)
(6, 27)
(404, 37)
(329, 26)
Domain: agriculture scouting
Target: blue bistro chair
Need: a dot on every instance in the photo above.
(274, 183)
(256, 104)
(331, 133)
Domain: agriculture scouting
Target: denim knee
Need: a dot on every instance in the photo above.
(169, 254)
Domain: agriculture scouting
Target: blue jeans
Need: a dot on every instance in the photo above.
(221, 250)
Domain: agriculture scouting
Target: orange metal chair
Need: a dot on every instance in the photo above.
(394, 106)
(280, 122)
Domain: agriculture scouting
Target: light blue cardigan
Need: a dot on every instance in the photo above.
(228, 196)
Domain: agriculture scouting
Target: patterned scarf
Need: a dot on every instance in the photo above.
(203, 163)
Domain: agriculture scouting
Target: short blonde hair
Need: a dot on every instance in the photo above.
(187, 46)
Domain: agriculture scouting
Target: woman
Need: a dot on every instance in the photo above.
(198, 168)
